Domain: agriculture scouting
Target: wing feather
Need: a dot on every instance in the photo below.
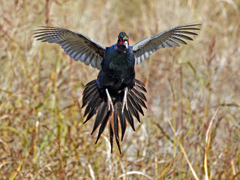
(169, 38)
(76, 45)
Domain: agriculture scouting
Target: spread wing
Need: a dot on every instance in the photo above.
(76, 45)
(169, 38)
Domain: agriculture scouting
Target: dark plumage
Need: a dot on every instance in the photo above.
(115, 97)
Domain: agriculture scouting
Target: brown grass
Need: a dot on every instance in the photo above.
(42, 135)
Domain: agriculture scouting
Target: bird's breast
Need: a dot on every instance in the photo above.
(117, 70)
(121, 61)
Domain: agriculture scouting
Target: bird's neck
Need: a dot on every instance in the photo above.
(117, 49)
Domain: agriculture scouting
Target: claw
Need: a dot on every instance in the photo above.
(110, 103)
(125, 99)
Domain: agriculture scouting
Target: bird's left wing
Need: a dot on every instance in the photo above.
(76, 45)
(169, 38)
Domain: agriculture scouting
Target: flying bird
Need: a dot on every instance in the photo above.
(115, 97)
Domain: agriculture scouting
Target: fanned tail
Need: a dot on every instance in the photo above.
(96, 104)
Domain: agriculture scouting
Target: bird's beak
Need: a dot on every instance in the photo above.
(126, 44)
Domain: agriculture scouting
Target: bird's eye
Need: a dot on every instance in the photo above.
(120, 41)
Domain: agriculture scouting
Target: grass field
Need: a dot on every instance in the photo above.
(191, 129)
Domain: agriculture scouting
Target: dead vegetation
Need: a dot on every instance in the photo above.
(191, 129)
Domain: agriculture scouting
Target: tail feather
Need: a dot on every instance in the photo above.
(121, 118)
(89, 86)
(139, 94)
(89, 92)
(135, 103)
(92, 103)
(138, 100)
(111, 134)
(100, 116)
(88, 95)
(116, 131)
(133, 110)
(92, 112)
(103, 125)
(91, 83)
(96, 104)
(140, 85)
(129, 118)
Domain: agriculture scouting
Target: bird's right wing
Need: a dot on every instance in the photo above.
(76, 45)
(169, 38)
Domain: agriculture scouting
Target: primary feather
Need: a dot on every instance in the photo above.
(169, 38)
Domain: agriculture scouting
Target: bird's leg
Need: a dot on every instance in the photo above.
(110, 103)
(125, 99)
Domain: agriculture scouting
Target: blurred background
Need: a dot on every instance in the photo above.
(194, 88)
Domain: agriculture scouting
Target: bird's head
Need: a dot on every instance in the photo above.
(123, 41)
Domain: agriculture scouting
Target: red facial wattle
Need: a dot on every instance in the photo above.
(121, 41)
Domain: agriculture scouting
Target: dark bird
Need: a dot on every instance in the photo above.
(115, 97)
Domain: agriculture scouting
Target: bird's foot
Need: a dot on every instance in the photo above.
(125, 99)
(110, 103)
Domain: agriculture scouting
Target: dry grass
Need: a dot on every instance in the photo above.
(196, 87)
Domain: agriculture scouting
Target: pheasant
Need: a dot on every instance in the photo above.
(115, 97)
